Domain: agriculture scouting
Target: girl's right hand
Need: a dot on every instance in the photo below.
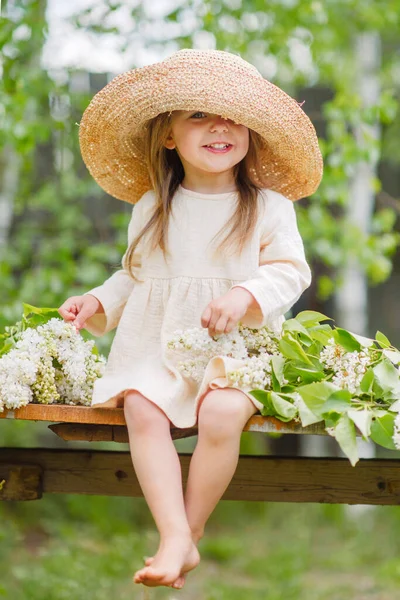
(79, 308)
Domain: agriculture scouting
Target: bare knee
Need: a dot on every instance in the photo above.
(142, 414)
(224, 413)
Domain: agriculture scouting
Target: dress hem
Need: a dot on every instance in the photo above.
(214, 378)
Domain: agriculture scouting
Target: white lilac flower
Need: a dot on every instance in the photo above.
(396, 431)
(197, 342)
(297, 400)
(48, 364)
(79, 366)
(44, 387)
(255, 373)
(348, 367)
(193, 368)
(261, 339)
(18, 370)
(199, 347)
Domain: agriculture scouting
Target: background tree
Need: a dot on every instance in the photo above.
(60, 234)
(307, 48)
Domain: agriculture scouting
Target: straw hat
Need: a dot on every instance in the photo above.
(214, 81)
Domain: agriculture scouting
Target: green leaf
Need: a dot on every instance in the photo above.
(395, 407)
(307, 417)
(284, 409)
(345, 339)
(311, 317)
(277, 365)
(316, 394)
(56, 363)
(293, 325)
(345, 434)
(331, 420)
(28, 309)
(392, 355)
(313, 353)
(387, 376)
(292, 349)
(382, 339)
(275, 405)
(363, 420)
(339, 402)
(322, 333)
(276, 386)
(382, 430)
(288, 390)
(34, 315)
(263, 397)
(308, 374)
(366, 383)
(379, 412)
(364, 341)
(8, 344)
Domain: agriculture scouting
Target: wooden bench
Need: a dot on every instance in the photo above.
(28, 473)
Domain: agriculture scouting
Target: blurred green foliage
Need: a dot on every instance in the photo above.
(89, 547)
(59, 244)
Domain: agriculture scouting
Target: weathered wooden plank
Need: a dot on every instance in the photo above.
(106, 433)
(93, 415)
(67, 414)
(79, 432)
(257, 478)
(20, 481)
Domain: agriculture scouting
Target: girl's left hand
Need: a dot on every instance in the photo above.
(222, 314)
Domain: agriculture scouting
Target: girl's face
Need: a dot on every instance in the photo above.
(192, 133)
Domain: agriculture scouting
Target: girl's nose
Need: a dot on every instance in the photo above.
(219, 124)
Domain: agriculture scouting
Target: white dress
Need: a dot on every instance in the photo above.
(173, 294)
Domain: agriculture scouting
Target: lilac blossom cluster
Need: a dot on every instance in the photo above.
(252, 346)
(49, 364)
(348, 367)
(396, 431)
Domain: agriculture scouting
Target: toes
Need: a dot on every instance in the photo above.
(179, 583)
(149, 577)
(139, 576)
(148, 561)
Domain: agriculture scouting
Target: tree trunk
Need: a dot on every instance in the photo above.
(351, 300)
(10, 163)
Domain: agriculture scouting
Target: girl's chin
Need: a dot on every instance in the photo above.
(217, 171)
(217, 164)
(214, 164)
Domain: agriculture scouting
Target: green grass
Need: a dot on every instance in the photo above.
(88, 547)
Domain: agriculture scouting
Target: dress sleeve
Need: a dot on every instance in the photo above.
(115, 291)
(283, 272)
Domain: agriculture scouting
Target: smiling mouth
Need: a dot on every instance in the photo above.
(217, 146)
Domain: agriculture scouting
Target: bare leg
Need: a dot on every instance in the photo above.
(222, 417)
(158, 470)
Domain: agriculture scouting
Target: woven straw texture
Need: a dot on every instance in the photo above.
(213, 81)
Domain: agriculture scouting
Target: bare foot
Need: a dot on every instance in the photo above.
(180, 582)
(174, 556)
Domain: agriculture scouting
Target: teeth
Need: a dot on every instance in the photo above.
(218, 146)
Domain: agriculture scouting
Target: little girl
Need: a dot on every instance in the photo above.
(202, 145)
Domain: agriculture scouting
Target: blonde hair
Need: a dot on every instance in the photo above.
(166, 173)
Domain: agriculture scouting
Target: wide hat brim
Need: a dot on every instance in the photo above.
(111, 129)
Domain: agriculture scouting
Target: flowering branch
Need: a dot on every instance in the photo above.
(309, 372)
(45, 360)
